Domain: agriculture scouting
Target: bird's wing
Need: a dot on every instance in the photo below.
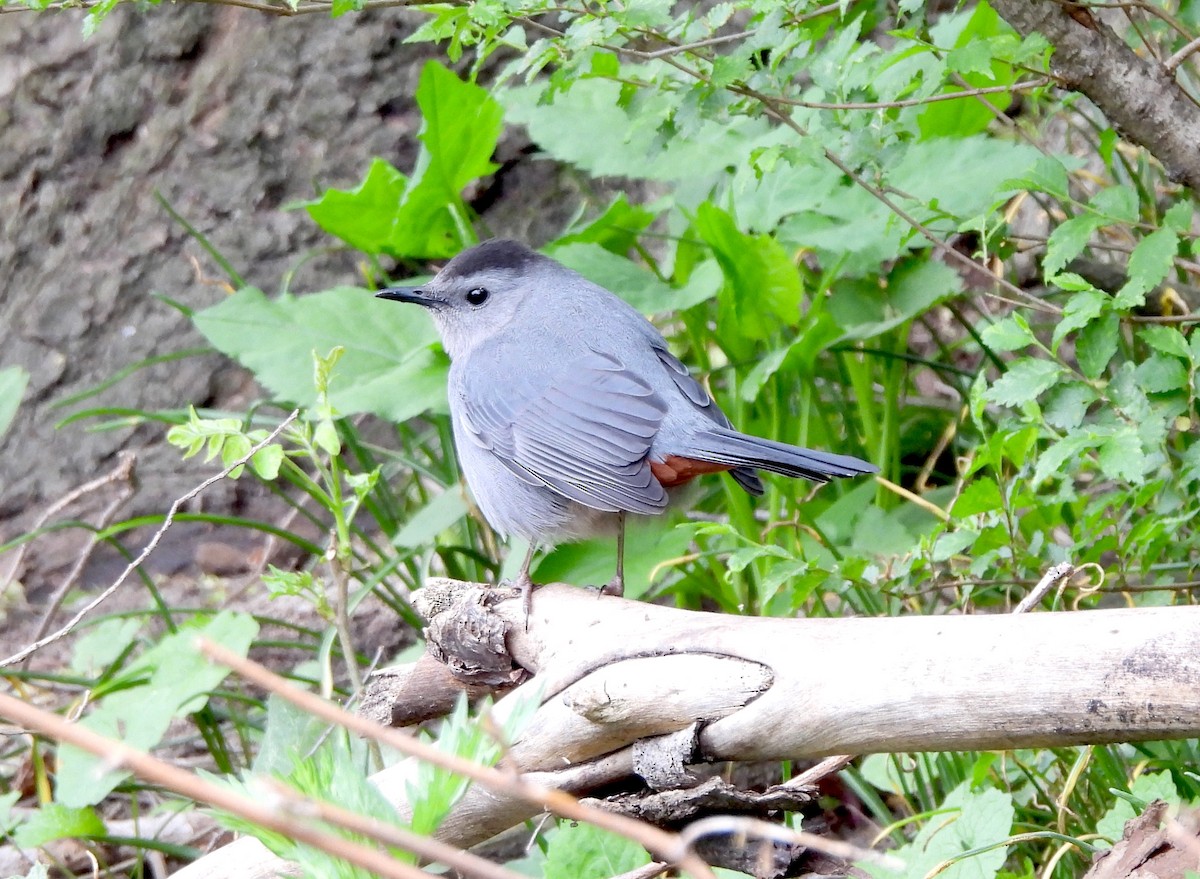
(746, 477)
(586, 433)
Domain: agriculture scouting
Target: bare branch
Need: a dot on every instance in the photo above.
(1139, 96)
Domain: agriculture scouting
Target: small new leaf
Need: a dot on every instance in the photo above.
(1024, 381)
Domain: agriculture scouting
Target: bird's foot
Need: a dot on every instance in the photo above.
(615, 586)
(525, 586)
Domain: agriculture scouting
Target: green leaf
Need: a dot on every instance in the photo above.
(1121, 455)
(1179, 216)
(55, 821)
(967, 821)
(1067, 404)
(13, 380)
(1148, 787)
(1024, 381)
(1160, 374)
(168, 681)
(636, 285)
(1067, 241)
(1167, 340)
(981, 495)
(951, 543)
(763, 286)
(1051, 461)
(583, 851)
(1009, 334)
(1115, 204)
(364, 217)
(1080, 310)
(431, 520)
(1096, 345)
(1149, 264)
(390, 367)
(267, 461)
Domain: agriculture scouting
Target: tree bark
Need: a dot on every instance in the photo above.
(1138, 95)
(613, 674)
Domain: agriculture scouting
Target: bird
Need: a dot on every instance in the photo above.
(569, 411)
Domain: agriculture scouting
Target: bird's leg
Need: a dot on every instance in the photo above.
(616, 586)
(523, 582)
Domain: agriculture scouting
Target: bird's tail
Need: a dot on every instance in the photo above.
(725, 446)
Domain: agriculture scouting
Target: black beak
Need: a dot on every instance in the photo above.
(415, 295)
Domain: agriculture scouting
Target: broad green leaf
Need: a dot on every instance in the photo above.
(1067, 404)
(1148, 787)
(390, 367)
(170, 680)
(55, 821)
(13, 380)
(1048, 174)
(1096, 345)
(1149, 264)
(1179, 216)
(363, 217)
(100, 646)
(427, 523)
(648, 543)
(967, 821)
(1117, 204)
(763, 286)
(583, 851)
(636, 285)
(617, 229)
(951, 543)
(1024, 381)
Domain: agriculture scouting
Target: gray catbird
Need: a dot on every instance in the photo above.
(569, 410)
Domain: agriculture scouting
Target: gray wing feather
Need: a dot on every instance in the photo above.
(746, 477)
(586, 435)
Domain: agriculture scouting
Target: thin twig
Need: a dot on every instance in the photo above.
(755, 828)
(1054, 576)
(119, 755)
(124, 474)
(123, 471)
(150, 547)
(427, 847)
(660, 843)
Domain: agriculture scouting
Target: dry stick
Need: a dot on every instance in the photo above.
(123, 470)
(119, 755)
(1052, 578)
(391, 834)
(756, 828)
(150, 547)
(661, 844)
(122, 473)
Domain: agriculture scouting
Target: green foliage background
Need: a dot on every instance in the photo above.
(829, 182)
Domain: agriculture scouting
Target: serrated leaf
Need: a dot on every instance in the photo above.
(1116, 204)
(1179, 216)
(1067, 404)
(1010, 334)
(1096, 345)
(1161, 373)
(1080, 310)
(1051, 461)
(390, 367)
(1149, 264)
(951, 543)
(363, 217)
(1167, 340)
(981, 495)
(1121, 455)
(1067, 241)
(1024, 381)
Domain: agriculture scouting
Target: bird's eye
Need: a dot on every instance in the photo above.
(477, 296)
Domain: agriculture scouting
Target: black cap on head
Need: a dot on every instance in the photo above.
(501, 254)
